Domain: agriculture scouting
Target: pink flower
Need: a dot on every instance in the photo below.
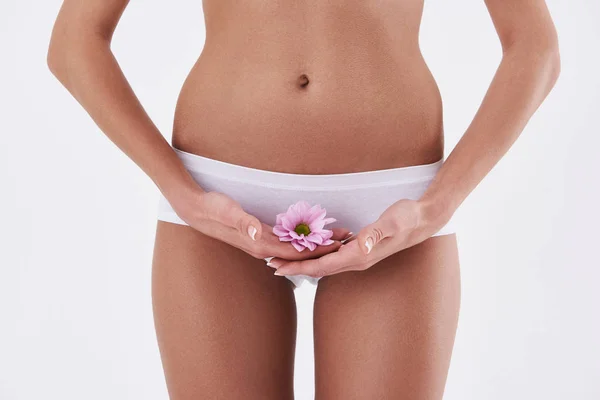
(302, 225)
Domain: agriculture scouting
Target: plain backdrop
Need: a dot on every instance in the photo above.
(78, 217)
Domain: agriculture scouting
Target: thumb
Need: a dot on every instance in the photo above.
(372, 234)
(228, 212)
(246, 224)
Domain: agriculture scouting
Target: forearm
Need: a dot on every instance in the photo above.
(88, 69)
(524, 78)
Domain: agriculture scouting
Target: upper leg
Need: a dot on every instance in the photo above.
(388, 332)
(226, 326)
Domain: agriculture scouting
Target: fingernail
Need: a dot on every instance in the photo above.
(270, 265)
(369, 244)
(274, 264)
(252, 232)
(278, 273)
(347, 238)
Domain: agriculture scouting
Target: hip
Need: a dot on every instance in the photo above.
(353, 199)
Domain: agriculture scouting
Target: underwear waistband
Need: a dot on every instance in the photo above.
(402, 175)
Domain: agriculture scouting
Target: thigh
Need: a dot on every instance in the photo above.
(226, 326)
(388, 332)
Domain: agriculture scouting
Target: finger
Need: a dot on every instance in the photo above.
(349, 239)
(276, 248)
(348, 257)
(244, 223)
(303, 267)
(374, 233)
(222, 209)
(341, 234)
(272, 246)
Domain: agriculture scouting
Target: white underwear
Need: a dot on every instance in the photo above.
(355, 199)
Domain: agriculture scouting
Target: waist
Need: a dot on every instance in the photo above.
(344, 120)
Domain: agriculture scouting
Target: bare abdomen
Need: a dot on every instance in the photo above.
(320, 100)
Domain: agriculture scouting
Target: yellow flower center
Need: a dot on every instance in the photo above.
(302, 229)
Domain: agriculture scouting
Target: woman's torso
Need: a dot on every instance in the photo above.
(370, 102)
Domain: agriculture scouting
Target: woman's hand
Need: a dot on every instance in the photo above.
(402, 225)
(222, 218)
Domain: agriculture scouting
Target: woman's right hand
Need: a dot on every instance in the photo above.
(217, 215)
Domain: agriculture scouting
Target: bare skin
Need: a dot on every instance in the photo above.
(308, 87)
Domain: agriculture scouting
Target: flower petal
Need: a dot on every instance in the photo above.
(311, 246)
(308, 244)
(326, 234)
(287, 224)
(316, 214)
(297, 245)
(280, 230)
(316, 226)
(316, 208)
(294, 217)
(278, 218)
(302, 207)
(315, 238)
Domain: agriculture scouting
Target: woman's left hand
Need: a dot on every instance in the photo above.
(402, 225)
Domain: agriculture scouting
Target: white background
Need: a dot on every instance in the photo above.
(78, 218)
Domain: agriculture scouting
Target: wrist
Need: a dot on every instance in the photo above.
(181, 192)
(434, 214)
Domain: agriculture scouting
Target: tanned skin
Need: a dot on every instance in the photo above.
(309, 87)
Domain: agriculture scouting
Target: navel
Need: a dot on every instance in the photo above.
(303, 81)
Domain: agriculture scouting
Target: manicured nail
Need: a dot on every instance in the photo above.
(252, 232)
(274, 264)
(347, 238)
(369, 244)
(270, 265)
(278, 273)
